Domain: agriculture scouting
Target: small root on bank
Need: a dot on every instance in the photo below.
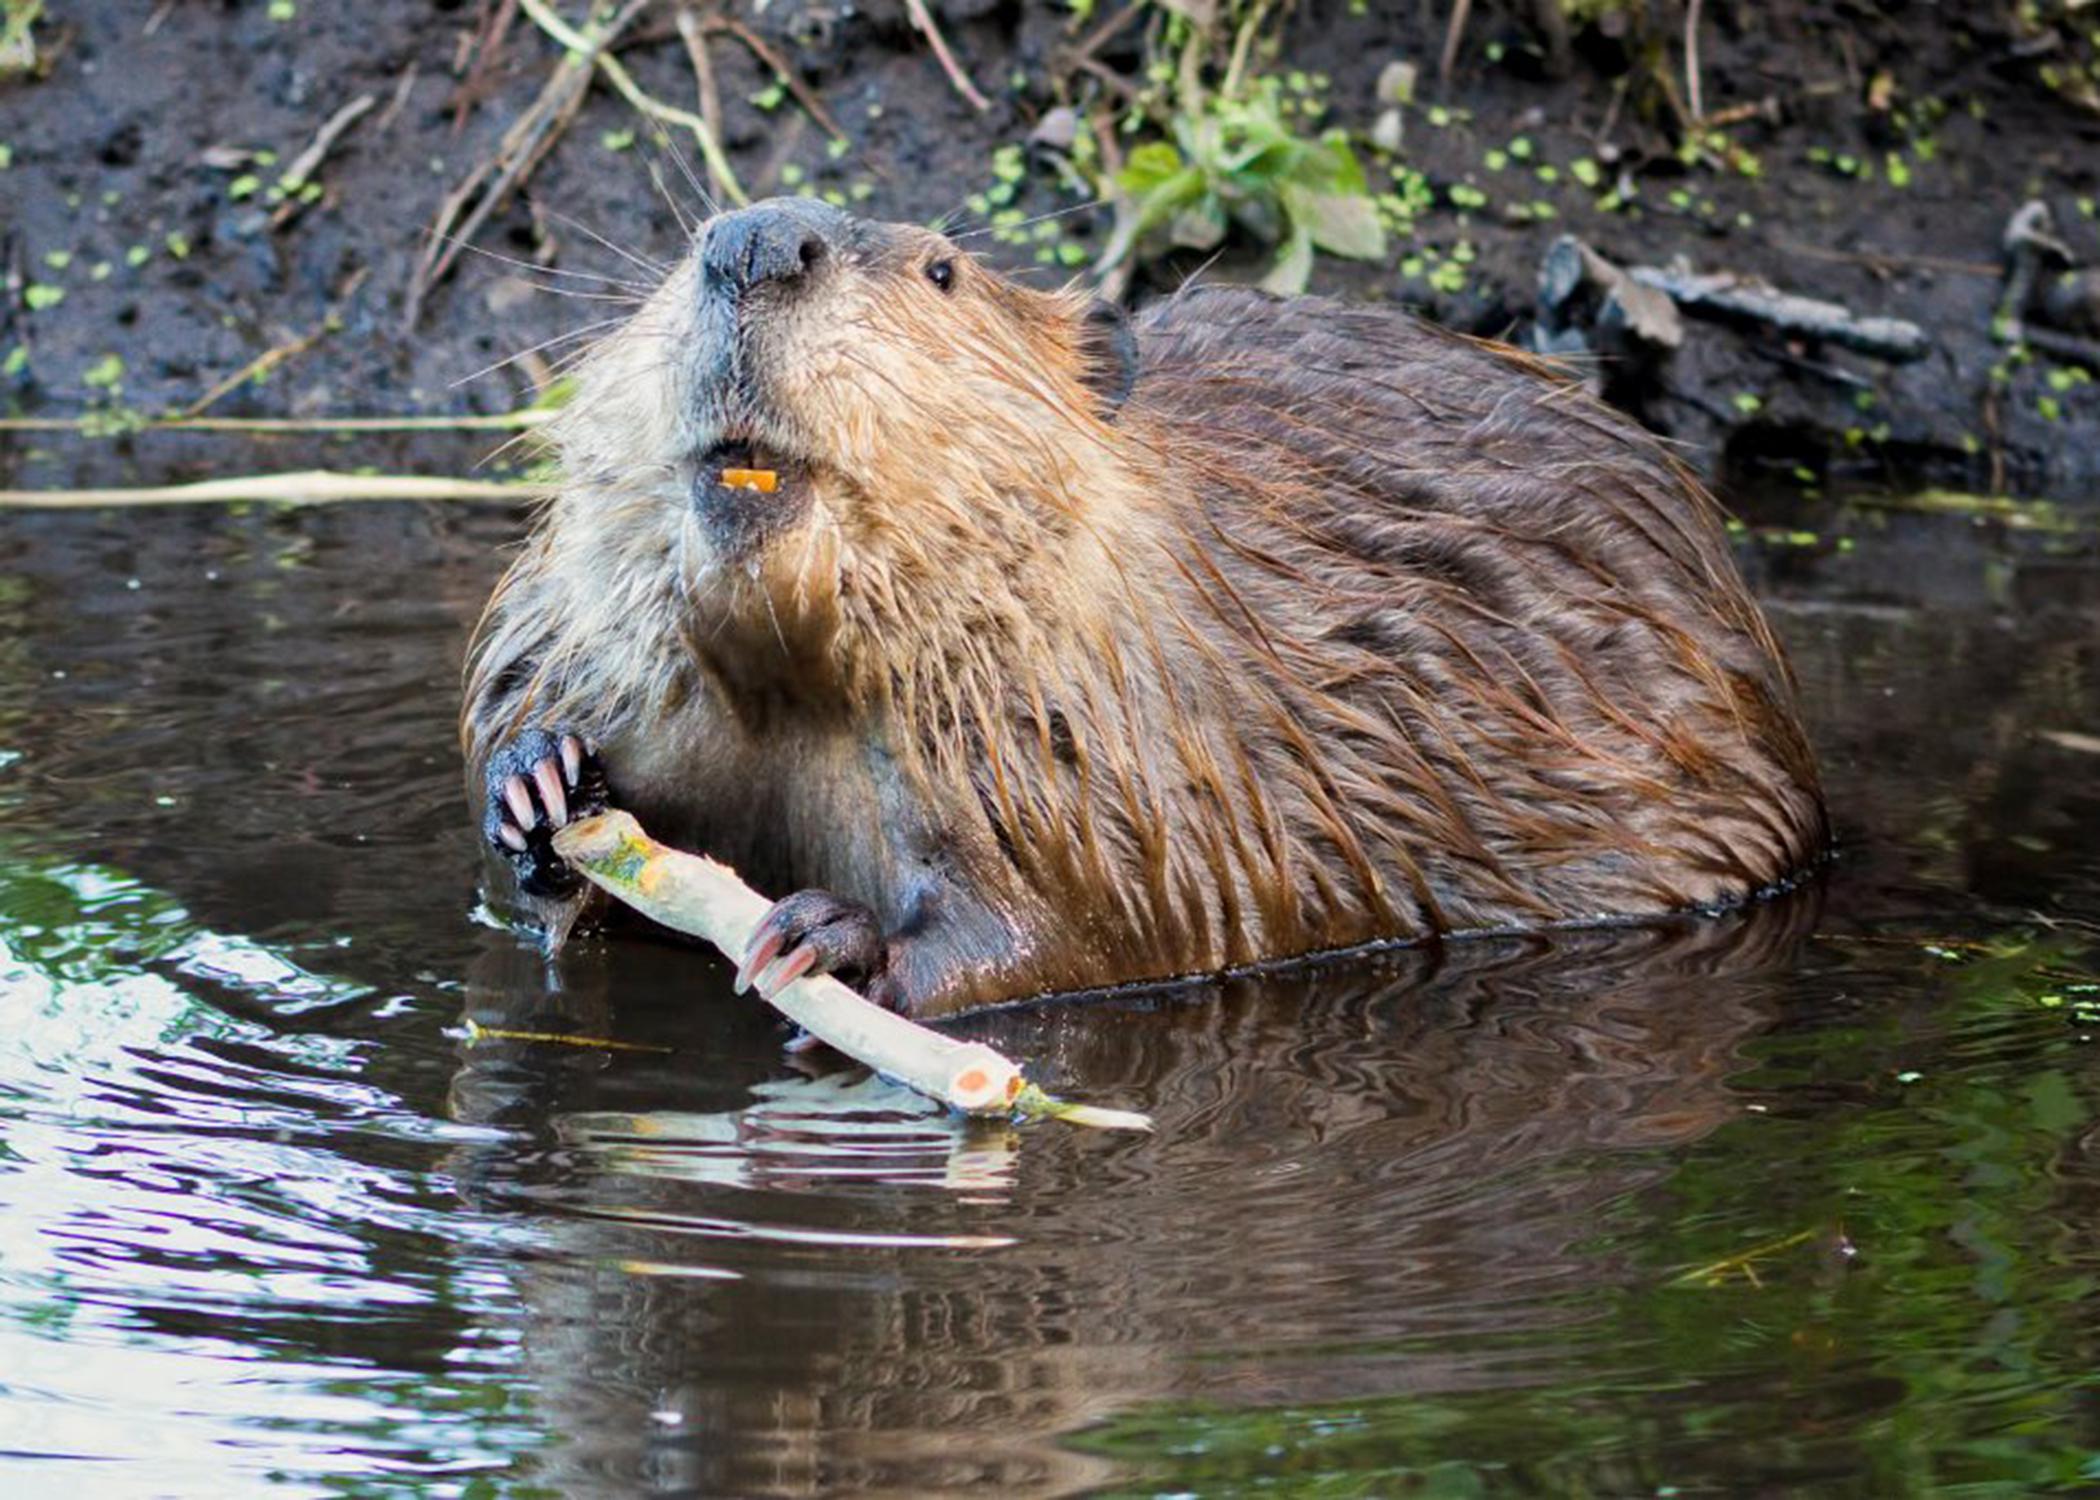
(1694, 86)
(1454, 35)
(759, 48)
(693, 33)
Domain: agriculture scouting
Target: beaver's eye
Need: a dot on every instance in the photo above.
(942, 274)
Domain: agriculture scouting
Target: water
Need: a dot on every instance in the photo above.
(1797, 1202)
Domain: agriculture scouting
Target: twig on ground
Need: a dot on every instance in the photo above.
(763, 51)
(493, 179)
(487, 47)
(1094, 40)
(616, 74)
(706, 899)
(2068, 347)
(1730, 295)
(2070, 739)
(1454, 34)
(1611, 111)
(922, 18)
(270, 359)
(694, 34)
(308, 162)
(1766, 108)
(1093, 67)
(308, 487)
(404, 84)
(1235, 65)
(1880, 260)
(261, 365)
(1693, 92)
(1679, 110)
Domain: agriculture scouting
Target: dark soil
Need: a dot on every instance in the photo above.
(1898, 140)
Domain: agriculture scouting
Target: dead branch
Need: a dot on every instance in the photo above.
(1729, 295)
(922, 18)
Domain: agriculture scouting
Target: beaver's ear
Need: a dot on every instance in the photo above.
(1111, 348)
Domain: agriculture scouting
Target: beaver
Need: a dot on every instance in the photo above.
(1060, 648)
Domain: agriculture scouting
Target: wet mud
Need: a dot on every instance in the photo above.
(1868, 155)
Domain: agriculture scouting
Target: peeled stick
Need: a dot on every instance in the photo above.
(701, 897)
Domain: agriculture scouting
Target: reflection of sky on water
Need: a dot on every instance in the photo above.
(832, 1132)
(183, 1228)
(205, 1218)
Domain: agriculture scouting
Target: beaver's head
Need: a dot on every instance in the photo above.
(895, 397)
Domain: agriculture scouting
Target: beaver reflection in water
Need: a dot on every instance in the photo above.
(1070, 650)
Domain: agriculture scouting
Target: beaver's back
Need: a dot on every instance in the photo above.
(1502, 621)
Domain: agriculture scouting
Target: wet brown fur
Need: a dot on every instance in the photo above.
(1341, 628)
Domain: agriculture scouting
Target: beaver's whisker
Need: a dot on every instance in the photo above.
(528, 352)
(686, 225)
(641, 289)
(577, 294)
(656, 269)
(692, 178)
(1044, 218)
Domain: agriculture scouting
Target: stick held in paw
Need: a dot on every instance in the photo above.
(706, 899)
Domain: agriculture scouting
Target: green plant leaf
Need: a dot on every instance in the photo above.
(1253, 139)
(1259, 170)
(1331, 168)
(1293, 267)
(1262, 214)
(1339, 223)
(1200, 226)
(1169, 198)
(1147, 167)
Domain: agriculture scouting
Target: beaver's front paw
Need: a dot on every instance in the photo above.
(815, 932)
(538, 782)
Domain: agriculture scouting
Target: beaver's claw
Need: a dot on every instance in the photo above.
(537, 783)
(814, 932)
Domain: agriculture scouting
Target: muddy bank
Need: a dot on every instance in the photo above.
(1868, 155)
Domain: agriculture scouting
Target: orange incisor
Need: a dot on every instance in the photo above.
(765, 481)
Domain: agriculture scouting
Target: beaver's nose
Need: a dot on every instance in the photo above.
(781, 240)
